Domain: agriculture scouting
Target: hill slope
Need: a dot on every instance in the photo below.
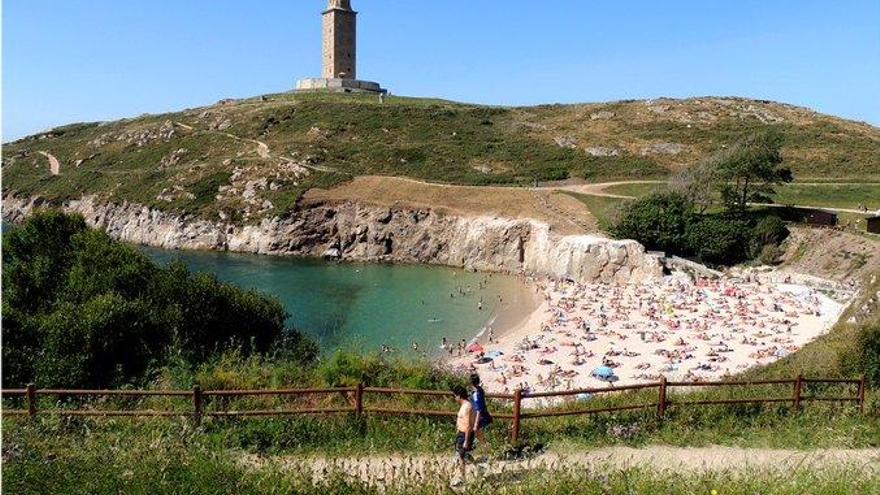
(248, 159)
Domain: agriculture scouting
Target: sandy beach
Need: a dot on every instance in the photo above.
(676, 327)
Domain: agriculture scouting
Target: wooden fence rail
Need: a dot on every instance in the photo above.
(355, 400)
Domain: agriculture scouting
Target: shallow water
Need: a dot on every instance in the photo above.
(365, 306)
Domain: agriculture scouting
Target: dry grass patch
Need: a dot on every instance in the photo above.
(561, 212)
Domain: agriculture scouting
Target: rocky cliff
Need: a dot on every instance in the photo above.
(359, 232)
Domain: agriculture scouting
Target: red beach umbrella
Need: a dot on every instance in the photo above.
(475, 347)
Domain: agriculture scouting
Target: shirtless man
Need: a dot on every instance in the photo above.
(464, 423)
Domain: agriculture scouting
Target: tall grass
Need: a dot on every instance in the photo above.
(181, 462)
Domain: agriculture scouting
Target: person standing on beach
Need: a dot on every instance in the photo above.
(478, 400)
(464, 423)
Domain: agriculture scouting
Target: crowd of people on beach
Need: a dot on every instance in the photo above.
(678, 327)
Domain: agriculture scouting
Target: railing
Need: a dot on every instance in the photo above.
(355, 400)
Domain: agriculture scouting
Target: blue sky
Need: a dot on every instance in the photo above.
(84, 60)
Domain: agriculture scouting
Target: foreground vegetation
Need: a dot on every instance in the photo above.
(163, 457)
(54, 256)
(82, 310)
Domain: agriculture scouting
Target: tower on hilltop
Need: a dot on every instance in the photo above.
(339, 54)
(340, 41)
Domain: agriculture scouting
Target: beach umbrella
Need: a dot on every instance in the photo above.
(494, 354)
(475, 347)
(602, 372)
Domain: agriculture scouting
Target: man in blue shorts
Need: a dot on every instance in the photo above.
(478, 400)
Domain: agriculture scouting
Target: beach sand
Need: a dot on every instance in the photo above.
(675, 327)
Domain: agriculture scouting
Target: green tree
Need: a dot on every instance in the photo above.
(698, 184)
(748, 171)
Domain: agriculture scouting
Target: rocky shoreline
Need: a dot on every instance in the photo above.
(353, 231)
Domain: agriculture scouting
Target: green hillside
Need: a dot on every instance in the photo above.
(247, 159)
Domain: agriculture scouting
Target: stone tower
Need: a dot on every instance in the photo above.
(340, 54)
(340, 41)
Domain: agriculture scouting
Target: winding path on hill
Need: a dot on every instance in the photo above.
(599, 188)
(54, 164)
(658, 458)
(591, 189)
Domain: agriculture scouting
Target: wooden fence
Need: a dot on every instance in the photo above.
(354, 398)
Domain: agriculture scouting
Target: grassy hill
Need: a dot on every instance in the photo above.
(247, 159)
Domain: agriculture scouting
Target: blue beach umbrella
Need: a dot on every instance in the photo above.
(604, 373)
(494, 354)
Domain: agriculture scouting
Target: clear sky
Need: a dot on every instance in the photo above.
(85, 60)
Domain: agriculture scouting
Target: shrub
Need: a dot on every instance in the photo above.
(81, 310)
(345, 369)
(770, 231)
(867, 352)
(769, 254)
(659, 221)
(719, 239)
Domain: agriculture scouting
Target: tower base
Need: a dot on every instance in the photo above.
(340, 86)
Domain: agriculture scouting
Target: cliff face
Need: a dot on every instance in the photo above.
(358, 232)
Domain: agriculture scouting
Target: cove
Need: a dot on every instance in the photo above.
(363, 307)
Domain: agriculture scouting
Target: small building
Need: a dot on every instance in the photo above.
(820, 217)
(873, 224)
(809, 216)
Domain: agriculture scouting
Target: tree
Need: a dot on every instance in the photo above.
(698, 184)
(748, 171)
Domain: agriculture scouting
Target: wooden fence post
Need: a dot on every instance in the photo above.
(661, 403)
(798, 389)
(31, 395)
(517, 404)
(197, 405)
(359, 401)
(862, 386)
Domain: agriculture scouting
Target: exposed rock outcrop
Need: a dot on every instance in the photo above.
(359, 232)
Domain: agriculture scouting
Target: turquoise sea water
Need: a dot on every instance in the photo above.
(365, 306)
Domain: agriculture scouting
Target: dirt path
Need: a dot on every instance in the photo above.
(598, 189)
(54, 164)
(657, 458)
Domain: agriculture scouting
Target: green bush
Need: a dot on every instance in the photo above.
(667, 221)
(345, 369)
(769, 254)
(81, 310)
(867, 350)
(719, 239)
(659, 221)
(769, 231)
